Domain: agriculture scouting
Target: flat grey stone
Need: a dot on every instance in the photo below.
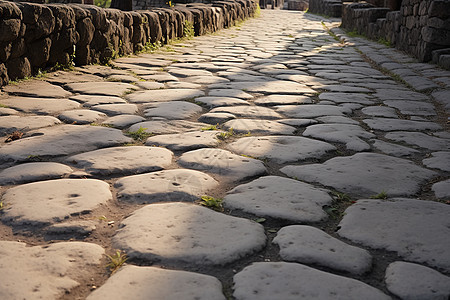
(414, 282)
(101, 88)
(350, 135)
(71, 228)
(160, 77)
(267, 87)
(32, 272)
(37, 88)
(62, 140)
(412, 107)
(63, 77)
(309, 245)
(345, 88)
(347, 98)
(187, 233)
(150, 85)
(255, 126)
(203, 80)
(164, 95)
(167, 127)
(92, 100)
(174, 110)
(223, 163)
(81, 116)
(426, 141)
(417, 230)
(393, 149)
(47, 202)
(124, 160)
(42, 106)
(298, 122)
(380, 111)
(185, 141)
(116, 109)
(281, 198)
(143, 60)
(33, 172)
(9, 124)
(283, 100)
(442, 189)
(438, 160)
(281, 149)
(365, 174)
(221, 101)
(167, 185)
(337, 119)
(312, 110)
(385, 124)
(248, 112)
(443, 97)
(138, 283)
(123, 121)
(183, 72)
(230, 93)
(393, 94)
(122, 78)
(216, 118)
(281, 280)
(420, 83)
(4, 111)
(182, 85)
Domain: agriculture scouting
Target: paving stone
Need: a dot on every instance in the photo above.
(380, 111)
(412, 281)
(71, 228)
(417, 230)
(168, 185)
(351, 135)
(164, 95)
(160, 77)
(155, 232)
(183, 72)
(221, 101)
(281, 280)
(420, 83)
(385, 124)
(248, 112)
(298, 122)
(281, 149)
(42, 106)
(175, 110)
(412, 107)
(92, 100)
(206, 80)
(143, 60)
(37, 88)
(63, 77)
(150, 85)
(51, 201)
(186, 141)
(311, 110)
(167, 127)
(393, 149)
(345, 88)
(33, 172)
(309, 245)
(116, 109)
(258, 127)
(337, 120)
(438, 160)
(123, 160)
(182, 85)
(138, 283)
(393, 94)
(441, 189)
(419, 139)
(216, 118)
(230, 93)
(365, 174)
(101, 88)
(81, 116)
(443, 97)
(267, 87)
(223, 163)
(123, 121)
(4, 111)
(122, 78)
(9, 124)
(45, 272)
(281, 198)
(62, 140)
(271, 100)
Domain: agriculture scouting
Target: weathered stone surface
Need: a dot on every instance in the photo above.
(51, 201)
(9, 124)
(442, 189)
(37, 88)
(412, 107)
(412, 281)
(155, 232)
(248, 112)
(258, 126)
(438, 160)
(33, 172)
(168, 185)
(4, 111)
(62, 140)
(150, 85)
(280, 280)
(175, 110)
(101, 88)
(164, 95)
(221, 101)
(124, 160)
(123, 121)
(365, 174)
(281, 149)
(70, 228)
(41, 106)
(380, 111)
(167, 127)
(116, 109)
(92, 100)
(216, 118)
(298, 122)
(393, 149)
(309, 245)
(81, 116)
(416, 229)
(420, 139)
(223, 163)
(283, 100)
(230, 93)
(385, 124)
(139, 282)
(393, 94)
(347, 98)
(312, 110)
(267, 87)
(281, 198)
(186, 141)
(50, 270)
(345, 88)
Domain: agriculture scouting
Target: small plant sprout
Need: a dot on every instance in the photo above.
(116, 261)
(381, 195)
(212, 127)
(211, 202)
(341, 197)
(225, 135)
(2, 206)
(140, 135)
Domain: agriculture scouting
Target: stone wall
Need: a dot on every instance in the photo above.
(36, 36)
(300, 5)
(331, 8)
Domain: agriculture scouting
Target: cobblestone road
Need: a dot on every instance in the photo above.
(331, 155)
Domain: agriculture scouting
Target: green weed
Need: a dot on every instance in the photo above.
(188, 30)
(341, 197)
(116, 261)
(225, 135)
(211, 127)
(211, 202)
(140, 135)
(382, 195)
